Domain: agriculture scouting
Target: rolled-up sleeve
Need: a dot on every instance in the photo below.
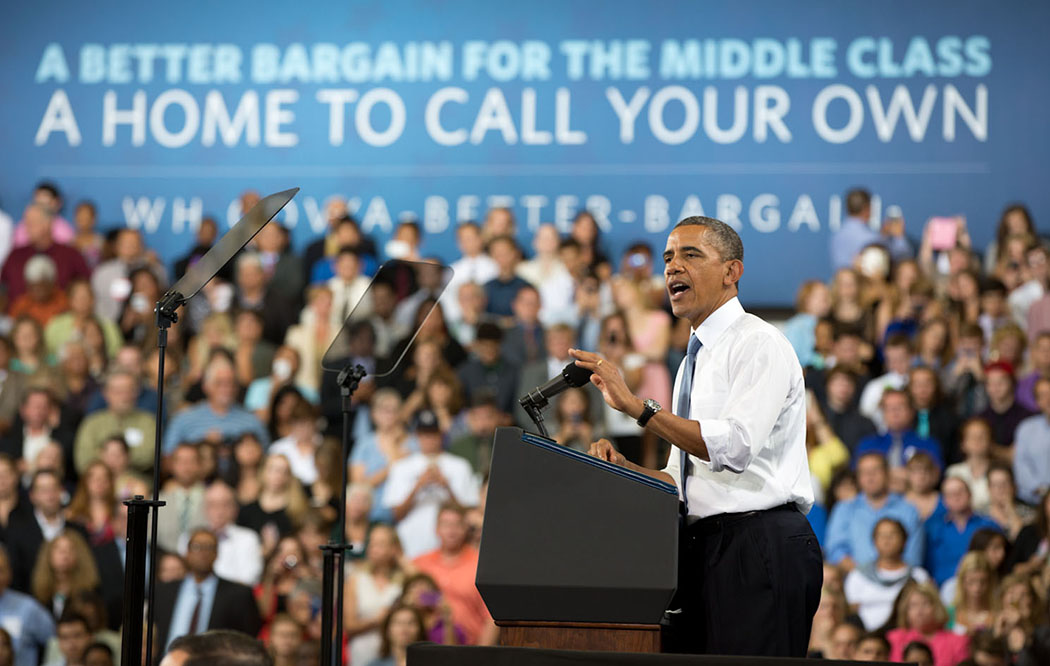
(759, 383)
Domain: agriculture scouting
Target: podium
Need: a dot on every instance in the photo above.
(576, 553)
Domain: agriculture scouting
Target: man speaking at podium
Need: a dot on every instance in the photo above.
(750, 568)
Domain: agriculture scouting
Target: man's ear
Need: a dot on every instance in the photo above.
(733, 272)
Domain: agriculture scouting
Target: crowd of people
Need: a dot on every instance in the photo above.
(928, 367)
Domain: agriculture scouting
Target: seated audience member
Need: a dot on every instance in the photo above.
(260, 395)
(217, 646)
(453, 566)
(1032, 448)
(617, 345)
(69, 264)
(486, 370)
(202, 601)
(100, 654)
(130, 359)
(239, 557)
(1020, 611)
(475, 443)
(401, 627)
(29, 356)
(47, 195)
(281, 503)
(840, 408)
(851, 524)
(371, 589)
(77, 371)
(384, 444)
(897, 355)
(843, 641)
(64, 567)
(1032, 546)
(935, 417)
(285, 567)
(11, 501)
(923, 480)
(422, 593)
(962, 379)
(559, 339)
(89, 605)
(830, 613)
(115, 455)
(184, 497)
(1040, 360)
(976, 444)
(873, 588)
(72, 324)
(1004, 413)
(949, 534)
(349, 287)
(301, 444)
(872, 647)
(286, 635)
(825, 450)
(523, 339)
(846, 352)
(469, 299)
(921, 616)
(421, 482)
(253, 355)
(472, 267)
(548, 273)
(1004, 507)
(973, 607)
(218, 417)
(501, 290)
(28, 624)
(900, 442)
(94, 504)
(40, 524)
(120, 417)
(74, 637)
(243, 474)
(43, 299)
(38, 416)
(918, 653)
(812, 303)
(573, 426)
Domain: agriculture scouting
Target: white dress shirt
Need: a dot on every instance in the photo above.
(750, 400)
(417, 530)
(239, 557)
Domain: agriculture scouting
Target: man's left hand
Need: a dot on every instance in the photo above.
(609, 380)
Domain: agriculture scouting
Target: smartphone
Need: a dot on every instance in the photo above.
(943, 232)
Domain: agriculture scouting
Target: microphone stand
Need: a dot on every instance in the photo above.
(333, 571)
(533, 410)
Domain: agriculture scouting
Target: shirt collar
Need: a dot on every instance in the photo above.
(718, 321)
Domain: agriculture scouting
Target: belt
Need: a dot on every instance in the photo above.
(723, 520)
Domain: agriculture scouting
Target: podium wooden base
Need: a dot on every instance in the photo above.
(581, 636)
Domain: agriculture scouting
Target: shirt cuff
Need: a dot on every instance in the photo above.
(716, 434)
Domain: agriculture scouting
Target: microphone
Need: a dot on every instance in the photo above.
(572, 376)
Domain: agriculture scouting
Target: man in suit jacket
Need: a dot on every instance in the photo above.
(202, 601)
(41, 522)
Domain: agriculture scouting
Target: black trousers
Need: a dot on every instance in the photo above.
(748, 584)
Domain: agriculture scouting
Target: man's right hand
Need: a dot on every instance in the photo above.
(604, 449)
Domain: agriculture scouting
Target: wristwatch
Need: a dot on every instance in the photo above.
(651, 407)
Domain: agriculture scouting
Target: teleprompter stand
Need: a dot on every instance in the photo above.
(142, 513)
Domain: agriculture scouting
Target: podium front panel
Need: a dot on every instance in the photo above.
(570, 538)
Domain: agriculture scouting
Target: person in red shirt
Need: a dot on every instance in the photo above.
(68, 262)
(43, 299)
(454, 565)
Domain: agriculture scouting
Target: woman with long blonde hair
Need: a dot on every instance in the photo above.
(975, 601)
(921, 616)
(281, 503)
(370, 592)
(63, 567)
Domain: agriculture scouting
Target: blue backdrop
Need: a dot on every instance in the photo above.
(761, 113)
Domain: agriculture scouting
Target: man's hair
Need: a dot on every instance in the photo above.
(99, 646)
(857, 200)
(871, 636)
(723, 237)
(220, 647)
(898, 340)
(452, 507)
(71, 617)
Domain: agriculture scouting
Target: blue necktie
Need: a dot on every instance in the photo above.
(685, 390)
